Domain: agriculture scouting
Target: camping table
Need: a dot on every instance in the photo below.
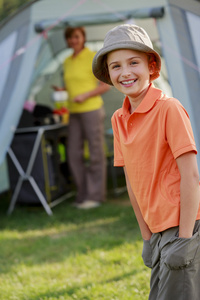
(41, 133)
(110, 158)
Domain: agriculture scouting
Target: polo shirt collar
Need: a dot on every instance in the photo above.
(81, 54)
(147, 103)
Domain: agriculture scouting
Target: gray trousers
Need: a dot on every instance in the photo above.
(90, 178)
(175, 264)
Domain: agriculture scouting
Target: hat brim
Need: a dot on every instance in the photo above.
(97, 65)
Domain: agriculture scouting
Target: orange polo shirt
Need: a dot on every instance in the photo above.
(147, 142)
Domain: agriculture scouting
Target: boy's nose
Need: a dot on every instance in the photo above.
(126, 73)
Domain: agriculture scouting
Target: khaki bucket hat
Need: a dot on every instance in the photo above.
(126, 36)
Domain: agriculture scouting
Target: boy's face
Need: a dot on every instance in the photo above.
(130, 72)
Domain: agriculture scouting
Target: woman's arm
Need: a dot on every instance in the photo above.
(145, 231)
(99, 90)
(189, 193)
(57, 88)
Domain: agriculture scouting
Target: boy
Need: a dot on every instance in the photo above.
(153, 141)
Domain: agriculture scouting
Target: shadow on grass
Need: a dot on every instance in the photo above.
(74, 289)
(32, 237)
(26, 218)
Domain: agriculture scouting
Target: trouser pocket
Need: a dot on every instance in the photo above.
(181, 252)
(147, 253)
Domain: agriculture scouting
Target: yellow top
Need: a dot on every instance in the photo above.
(79, 79)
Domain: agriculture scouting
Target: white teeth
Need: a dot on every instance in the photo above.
(128, 82)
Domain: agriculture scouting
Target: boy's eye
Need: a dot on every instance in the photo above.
(116, 66)
(134, 63)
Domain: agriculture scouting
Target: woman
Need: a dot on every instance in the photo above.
(86, 121)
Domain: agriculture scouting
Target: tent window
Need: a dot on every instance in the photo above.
(194, 23)
(7, 47)
(43, 59)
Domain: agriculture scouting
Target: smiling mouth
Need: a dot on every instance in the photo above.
(128, 82)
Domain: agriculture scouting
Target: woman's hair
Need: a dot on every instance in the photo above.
(70, 30)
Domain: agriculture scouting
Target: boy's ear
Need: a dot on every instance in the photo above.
(152, 67)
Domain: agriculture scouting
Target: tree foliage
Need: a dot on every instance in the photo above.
(8, 7)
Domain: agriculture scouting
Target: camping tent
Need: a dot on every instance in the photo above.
(32, 50)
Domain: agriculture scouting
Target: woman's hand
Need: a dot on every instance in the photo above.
(57, 88)
(81, 98)
(99, 90)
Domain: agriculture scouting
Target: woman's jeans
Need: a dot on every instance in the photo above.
(90, 179)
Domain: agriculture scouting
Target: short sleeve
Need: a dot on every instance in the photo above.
(178, 129)
(118, 156)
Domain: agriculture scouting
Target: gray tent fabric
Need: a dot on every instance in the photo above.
(32, 39)
(25, 32)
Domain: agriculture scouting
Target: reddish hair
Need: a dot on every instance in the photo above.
(70, 30)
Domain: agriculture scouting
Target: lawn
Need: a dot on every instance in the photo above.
(83, 255)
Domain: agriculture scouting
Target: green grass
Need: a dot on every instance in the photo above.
(82, 255)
